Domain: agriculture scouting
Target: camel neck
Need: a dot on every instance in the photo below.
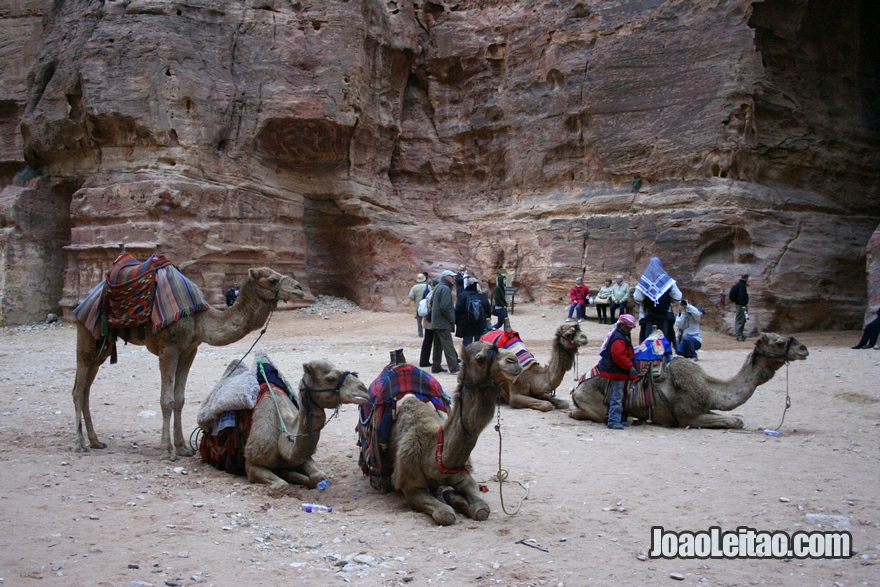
(756, 371)
(471, 412)
(223, 327)
(561, 361)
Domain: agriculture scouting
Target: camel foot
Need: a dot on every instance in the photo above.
(184, 452)
(79, 448)
(444, 517)
(577, 414)
(481, 514)
(559, 403)
(98, 445)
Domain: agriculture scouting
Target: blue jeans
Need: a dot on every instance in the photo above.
(615, 404)
(688, 347)
(501, 312)
(580, 311)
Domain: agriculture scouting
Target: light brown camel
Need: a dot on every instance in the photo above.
(687, 395)
(534, 388)
(281, 457)
(430, 450)
(176, 346)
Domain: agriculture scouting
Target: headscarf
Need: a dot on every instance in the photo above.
(627, 319)
(654, 281)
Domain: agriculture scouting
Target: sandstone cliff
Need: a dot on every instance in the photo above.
(353, 143)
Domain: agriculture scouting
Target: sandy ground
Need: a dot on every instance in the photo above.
(123, 516)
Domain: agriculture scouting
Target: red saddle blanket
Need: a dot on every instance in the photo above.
(136, 292)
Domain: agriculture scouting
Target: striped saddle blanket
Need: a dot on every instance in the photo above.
(511, 341)
(640, 395)
(135, 293)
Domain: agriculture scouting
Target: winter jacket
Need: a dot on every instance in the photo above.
(617, 358)
(442, 308)
(500, 294)
(579, 294)
(739, 294)
(464, 325)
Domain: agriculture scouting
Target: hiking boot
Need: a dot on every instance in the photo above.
(858, 347)
(454, 371)
(438, 370)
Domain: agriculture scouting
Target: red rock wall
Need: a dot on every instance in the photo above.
(354, 143)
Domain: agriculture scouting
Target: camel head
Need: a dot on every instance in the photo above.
(482, 360)
(571, 336)
(328, 387)
(783, 348)
(271, 285)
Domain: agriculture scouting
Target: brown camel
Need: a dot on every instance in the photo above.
(282, 455)
(430, 450)
(535, 387)
(176, 346)
(687, 395)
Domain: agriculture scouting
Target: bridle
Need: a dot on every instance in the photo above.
(782, 356)
(309, 400)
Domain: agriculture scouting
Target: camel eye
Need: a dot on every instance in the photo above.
(273, 280)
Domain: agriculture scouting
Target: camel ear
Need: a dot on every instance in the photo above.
(255, 274)
(309, 371)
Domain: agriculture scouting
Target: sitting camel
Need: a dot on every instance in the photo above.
(176, 346)
(687, 395)
(279, 450)
(535, 387)
(430, 450)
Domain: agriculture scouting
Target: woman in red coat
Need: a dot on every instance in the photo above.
(578, 294)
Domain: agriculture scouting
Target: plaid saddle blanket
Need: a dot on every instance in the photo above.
(512, 342)
(135, 293)
(378, 413)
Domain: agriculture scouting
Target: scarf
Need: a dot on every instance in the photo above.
(655, 281)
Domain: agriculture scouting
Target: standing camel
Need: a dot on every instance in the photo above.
(176, 346)
(534, 388)
(687, 395)
(430, 450)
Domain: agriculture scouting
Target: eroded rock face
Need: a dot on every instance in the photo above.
(354, 143)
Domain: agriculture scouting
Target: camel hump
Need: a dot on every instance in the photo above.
(684, 374)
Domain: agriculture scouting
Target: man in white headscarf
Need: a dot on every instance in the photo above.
(655, 293)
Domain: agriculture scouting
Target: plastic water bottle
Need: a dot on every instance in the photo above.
(746, 315)
(316, 507)
(769, 432)
(322, 485)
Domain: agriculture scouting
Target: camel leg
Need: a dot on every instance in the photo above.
(258, 474)
(307, 474)
(518, 401)
(184, 362)
(82, 385)
(585, 409)
(467, 499)
(168, 371)
(558, 402)
(713, 420)
(419, 498)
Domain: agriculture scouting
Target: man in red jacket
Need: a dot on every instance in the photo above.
(618, 365)
(579, 295)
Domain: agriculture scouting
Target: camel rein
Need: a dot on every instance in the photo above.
(502, 474)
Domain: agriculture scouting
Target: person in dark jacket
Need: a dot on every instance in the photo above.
(499, 298)
(870, 334)
(617, 363)
(459, 280)
(467, 327)
(739, 295)
(231, 295)
(443, 322)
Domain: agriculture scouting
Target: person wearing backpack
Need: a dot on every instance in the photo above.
(655, 292)
(471, 312)
(739, 295)
(416, 294)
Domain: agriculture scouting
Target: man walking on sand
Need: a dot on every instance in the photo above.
(739, 295)
(443, 322)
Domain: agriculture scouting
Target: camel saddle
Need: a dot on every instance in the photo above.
(135, 293)
(378, 413)
(225, 437)
(510, 340)
(636, 394)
